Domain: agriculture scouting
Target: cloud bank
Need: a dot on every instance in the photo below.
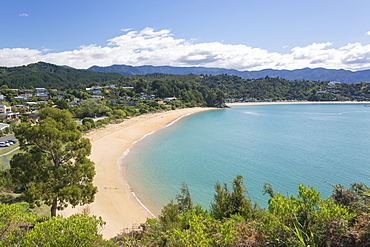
(150, 47)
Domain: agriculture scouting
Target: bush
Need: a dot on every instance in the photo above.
(77, 230)
(88, 120)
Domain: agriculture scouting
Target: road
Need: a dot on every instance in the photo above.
(8, 137)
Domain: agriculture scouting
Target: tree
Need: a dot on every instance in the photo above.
(62, 104)
(53, 165)
(170, 212)
(91, 108)
(230, 203)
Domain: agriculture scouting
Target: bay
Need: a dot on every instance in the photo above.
(285, 145)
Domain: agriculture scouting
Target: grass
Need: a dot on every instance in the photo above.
(4, 150)
(10, 156)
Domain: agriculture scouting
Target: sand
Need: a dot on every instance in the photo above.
(114, 201)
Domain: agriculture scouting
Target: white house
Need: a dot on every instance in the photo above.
(5, 109)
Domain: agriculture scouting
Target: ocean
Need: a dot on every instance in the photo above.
(284, 145)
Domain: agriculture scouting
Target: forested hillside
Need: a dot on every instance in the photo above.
(190, 90)
(48, 75)
(237, 88)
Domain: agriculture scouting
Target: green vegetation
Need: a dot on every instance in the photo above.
(48, 75)
(18, 228)
(53, 167)
(302, 220)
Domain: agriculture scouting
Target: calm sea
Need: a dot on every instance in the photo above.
(285, 145)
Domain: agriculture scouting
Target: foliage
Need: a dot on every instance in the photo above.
(48, 75)
(11, 220)
(169, 215)
(88, 122)
(77, 230)
(230, 203)
(357, 197)
(53, 166)
(91, 108)
(303, 219)
(18, 228)
(203, 230)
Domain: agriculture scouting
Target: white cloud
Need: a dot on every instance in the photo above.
(150, 47)
(367, 33)
(126, 29)
(24, 14)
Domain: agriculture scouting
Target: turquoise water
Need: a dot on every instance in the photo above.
(285, 145)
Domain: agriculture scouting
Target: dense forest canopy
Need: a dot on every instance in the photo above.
(48, 75)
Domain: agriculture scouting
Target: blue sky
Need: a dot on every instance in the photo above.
(243, 35)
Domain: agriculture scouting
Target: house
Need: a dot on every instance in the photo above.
(30, 103)
(57, 98)
(124, 98)
(111, 100)
(23, 96)
(97, 97)
(9, 115)
(33, 117)
(97, 91)
(5, 109)
(40, 89)
(73, 104)
(169, 99)
(44, 95)
(3, 126)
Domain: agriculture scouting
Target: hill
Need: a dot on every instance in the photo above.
(319, 74)
(50, 75)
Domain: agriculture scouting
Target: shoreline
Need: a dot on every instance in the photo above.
(298, 103)
(127, 151)
(115, 201)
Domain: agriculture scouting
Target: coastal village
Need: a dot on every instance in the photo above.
(26, 102)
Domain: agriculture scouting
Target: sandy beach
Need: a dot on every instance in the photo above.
(115, 202)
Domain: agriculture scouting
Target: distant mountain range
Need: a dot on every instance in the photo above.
(319, 74)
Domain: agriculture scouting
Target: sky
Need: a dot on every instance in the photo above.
(234, 34)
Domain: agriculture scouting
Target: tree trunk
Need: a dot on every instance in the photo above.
(53, 209)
